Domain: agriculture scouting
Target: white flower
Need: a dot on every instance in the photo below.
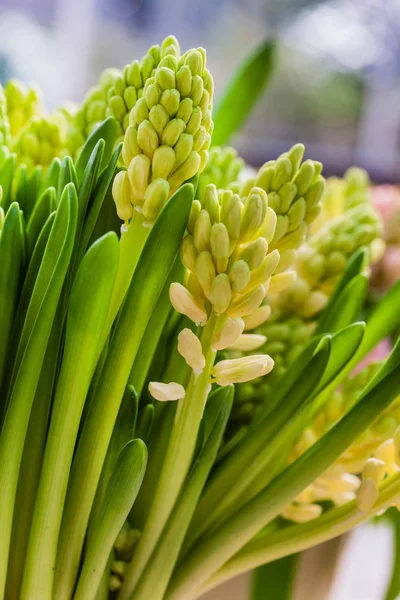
(184, 303)
(189, 346)
(240, 370)
(166, 391)
(248, 342)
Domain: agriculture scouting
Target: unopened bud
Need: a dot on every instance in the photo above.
(172, 132)
(255, 252)
(296, 214)
(261, 275)
(184, 81)
(254, 213)
(240, 370)
(302, 513)
(183, 148)
(188, 252)
(281, 281)
(163, 162)
(195, 121)
(295, 156)
(202, 231)
(121, 192)
(287, 194)
(185, 110)
(374, 469)
(166, 391)
(367, 495)
(268, 230)
(239, 275)
(219, 241)
(131, 147)
(155, 197)
(248, 342)
(195, 210)
(231, 216)
(228, 334)
(159, 118)
(282, 173)
(316, 301)
(210, 201)
(257, 318)
(189, 346)
(184, 303)
(245, 305)
(304, 176)
(205, 271)
(138, 173)
(188, 169)
(221, 293)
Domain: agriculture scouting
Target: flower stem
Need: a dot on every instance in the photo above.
(177, 462)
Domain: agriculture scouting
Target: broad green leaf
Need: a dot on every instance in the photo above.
(12, 259)
(214, 551)
(26, 185)
(107, 131)
(242, 92)
(347, 306)
(52, 175)
(7, 170)
(120, 495)
(153, 267)
(66, 176)
(275, 580)
(156, 576)
(32, 347)
(44, 206)
(88, 306)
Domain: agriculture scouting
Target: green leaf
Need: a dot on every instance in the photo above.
(106, 131)
(393, 588)
(145, 422)
(155, 262)
(121, 493)
(12, 259)
(347, 306)
(7, 170)
(52, 175)
(275, 579)
(156, 576)
(43, 207)
(31, 350)
(88, 307)
(242, 93)
(66, 176)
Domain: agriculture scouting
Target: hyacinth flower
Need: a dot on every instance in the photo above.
(319, 264)
(224, 168)
(23, 103)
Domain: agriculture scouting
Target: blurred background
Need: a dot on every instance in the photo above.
(335, 87)
(336, 82)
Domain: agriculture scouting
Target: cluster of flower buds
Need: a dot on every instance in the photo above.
(319, 264)
(23, 103)
(223, 169)
(93, 110)
(169, 134)
(128, 86)
(124, 548)
(230, 268)
(41, 140)
(358, 471)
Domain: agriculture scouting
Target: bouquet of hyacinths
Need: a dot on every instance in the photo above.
(148, 293)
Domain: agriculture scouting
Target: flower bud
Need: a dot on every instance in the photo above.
(184, 303)
(202, 231)
(254, 253)
(165, 78)
(156, 195)
(264, 177)
(282, 173)
(228, 334)
(187, 170)
(302, 513)
(122, 196)
(287, 194)
(138, 174)
(183, 148)
(189, 346)
(367, 495)
(185, 110)
(219, 240)
(268, 230)
(170, 99)
(248, 342)
(163, 162)
(184, 81)
(195, 121)
(205, 271)
(239, 275)
(257, 318)
(304, 176)
(240, 370)
(194, 60)
(166, 391)
(231, 216)
(261, 275)
(172, 132)
(188, 252)
(210, 202)
(147, 138)
(374, 469)
(295, 156)
(281, 281)
(254, 213)
(159, 118)
(221, 293)
(195, 211)
(130, 148)
(245, 305)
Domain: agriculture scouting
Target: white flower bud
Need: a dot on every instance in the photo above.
(367, 495)
(184, 303)
(189, 346)
(166, 391)
(228, 334)
(281, 281)
(240, 370)
(302, 513)
(248, 342)
(374, 469)
(245, 305)
(257, 318)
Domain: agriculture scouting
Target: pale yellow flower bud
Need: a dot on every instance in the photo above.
(202, 231)
(228, 334)
(188, 169)
(156, 195)
(183, 148)
(254, 213)
(261, 275)
(138, 173)
(185, 110)
(231, 215)
(184, 303)
(248, 342)
(281, 281)
(163, 162)
(268, 230)
(121, 192)
(374, 469)
(221, 293)
(316, 301)
(239, 275)
(367, 495)
(188, 253)
(130, 148)
(245, 305)
(205, 271)
(210, 201)
(257, 318)
(166, 391)
(240, 370)
(189, 346)
(195, 211)
(219, 241)
(254, 253)
(302, 513)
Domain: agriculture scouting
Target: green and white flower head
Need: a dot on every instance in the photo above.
(223, 169)
(168, 139)
(23, 103)
(93, 110)
(128, 86)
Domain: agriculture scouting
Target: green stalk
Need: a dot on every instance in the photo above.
(393, 589)
(155, 263)
(121, 492)
(177, 462)
(296, 538)
(89, 301)
(220, 546)
(39, 320)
